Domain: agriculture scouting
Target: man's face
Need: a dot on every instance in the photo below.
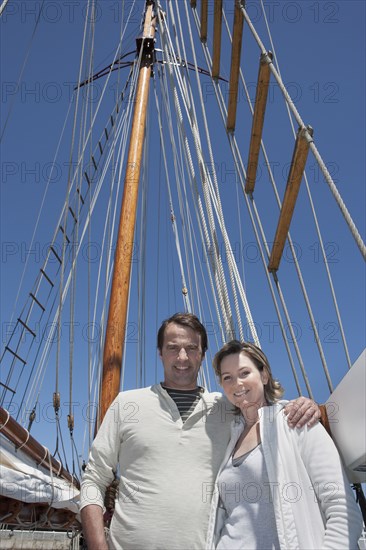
(181, 355)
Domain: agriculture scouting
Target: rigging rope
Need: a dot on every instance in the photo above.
(211, 242)
(241, 172)
(172, 214)
(216, 195)
(316, 222)
(355, 233)
(24, 62)
(197, 203)
(298, 270)
(179, 171)
(232, 264)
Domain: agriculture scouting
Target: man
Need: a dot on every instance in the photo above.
(168, 441)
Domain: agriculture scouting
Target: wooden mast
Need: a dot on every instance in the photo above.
(117, 315)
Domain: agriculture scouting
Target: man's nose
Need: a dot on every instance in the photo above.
(182, 354)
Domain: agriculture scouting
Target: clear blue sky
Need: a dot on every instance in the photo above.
(321, 51)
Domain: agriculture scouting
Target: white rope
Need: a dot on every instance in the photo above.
(321, 242)
(37, 382)
(297, 267)
(218, 268)
(241, 172)
(188, 155)
(355, 233)
(3, 6)
(174, 225)
(196, 199)
(231, 260)
(24, 442)
(217, 196)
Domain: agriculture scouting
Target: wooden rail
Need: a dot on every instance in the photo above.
(264, 74)
(204, 20)
(216, 55)
(303, 139)
(22, 439)
(235, 67)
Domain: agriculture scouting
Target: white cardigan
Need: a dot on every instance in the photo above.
(313, 503)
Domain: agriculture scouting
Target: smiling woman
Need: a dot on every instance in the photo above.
(264, 454)
(246, 357)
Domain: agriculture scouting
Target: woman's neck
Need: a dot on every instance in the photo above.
(251, 414)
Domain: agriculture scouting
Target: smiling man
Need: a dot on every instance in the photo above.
(181, 354)
(166, 442)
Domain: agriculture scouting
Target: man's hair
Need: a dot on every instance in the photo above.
(186, 320)
(273, 389)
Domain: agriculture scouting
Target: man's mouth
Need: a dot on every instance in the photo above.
(181, 367)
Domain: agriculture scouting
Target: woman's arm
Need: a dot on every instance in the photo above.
(332, 489)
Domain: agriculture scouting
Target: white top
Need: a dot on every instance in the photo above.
(246, 497)
(313, 503)
(167, 468)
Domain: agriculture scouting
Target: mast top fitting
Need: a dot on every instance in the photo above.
(147, 45)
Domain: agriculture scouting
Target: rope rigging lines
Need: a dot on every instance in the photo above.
(196, 211)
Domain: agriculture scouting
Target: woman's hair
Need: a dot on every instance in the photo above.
(272, 389)
(187, 320)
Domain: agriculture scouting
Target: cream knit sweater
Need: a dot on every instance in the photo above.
(167, 469)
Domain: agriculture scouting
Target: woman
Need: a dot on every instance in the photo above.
(277, 488)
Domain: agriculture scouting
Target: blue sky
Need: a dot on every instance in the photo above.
(321, 51)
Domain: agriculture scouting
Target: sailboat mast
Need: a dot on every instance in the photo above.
(117, 315)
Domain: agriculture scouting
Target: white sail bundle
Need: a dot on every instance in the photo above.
(23, 480)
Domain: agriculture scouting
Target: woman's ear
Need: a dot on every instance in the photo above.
(264, 377)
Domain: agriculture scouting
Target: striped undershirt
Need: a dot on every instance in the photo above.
(186, 400)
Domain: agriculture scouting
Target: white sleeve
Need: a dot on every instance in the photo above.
(103, 458)
(343, 520)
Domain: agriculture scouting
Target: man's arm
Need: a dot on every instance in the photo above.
(98, 474)
(302, 411)
(93, 527)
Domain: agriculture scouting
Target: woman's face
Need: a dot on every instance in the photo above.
(242, 382)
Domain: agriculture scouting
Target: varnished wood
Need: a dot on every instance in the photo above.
(264, 74)
(18, 435)
(324, 418)
(117, 316)
(204, 20)
(235, 67)
(23, 515)
(292, 189)
(217, 39)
